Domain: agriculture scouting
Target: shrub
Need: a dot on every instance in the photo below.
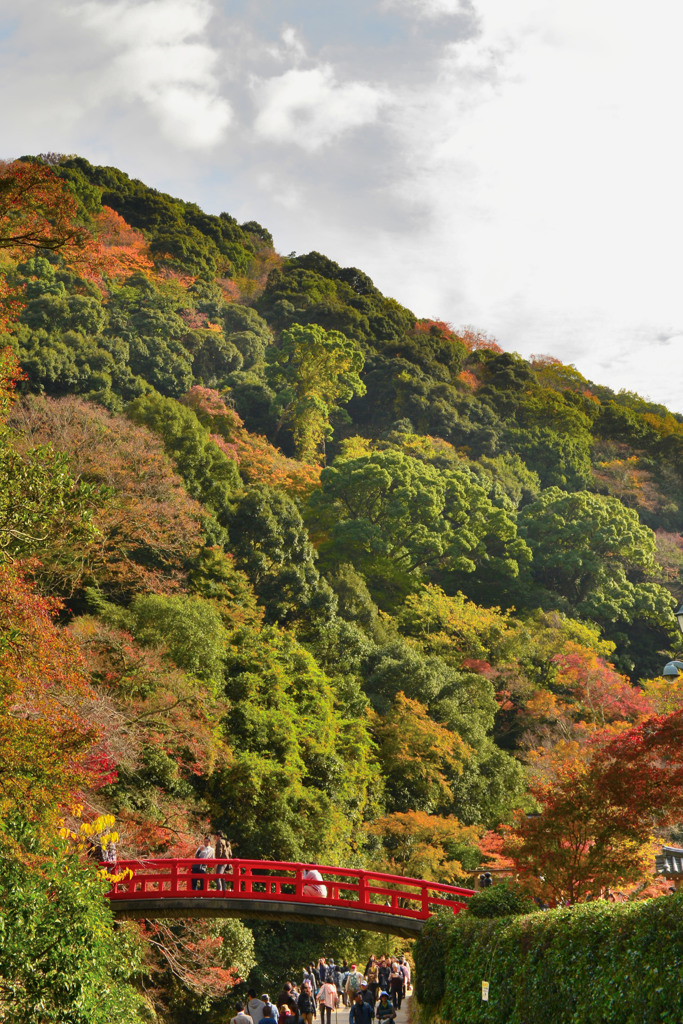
(505, 899)
(608, 963)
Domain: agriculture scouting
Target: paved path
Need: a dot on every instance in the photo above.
(403, 1015)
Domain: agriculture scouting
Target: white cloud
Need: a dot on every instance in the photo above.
(544, 161)
(159, 55)
(311, 108)
(426, 8)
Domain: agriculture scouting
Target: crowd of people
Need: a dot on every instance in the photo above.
(375, 994)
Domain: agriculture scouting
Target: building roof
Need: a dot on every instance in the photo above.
(670, 862)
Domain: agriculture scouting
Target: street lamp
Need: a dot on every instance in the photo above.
(675, 668)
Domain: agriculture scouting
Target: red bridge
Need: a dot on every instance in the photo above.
(281, 891)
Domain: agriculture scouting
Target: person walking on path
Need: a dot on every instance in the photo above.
(241, 1017)
(269, 1011)
(371, 973)
(353, 983)
(327, 1000)
(396, 983)
(366, 993)
(286, 998)
(306, 1003)
(385, 1011)
(383, 972)
(361, 1011)
(254, 1006)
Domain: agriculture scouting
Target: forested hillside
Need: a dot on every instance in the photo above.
(281, 559)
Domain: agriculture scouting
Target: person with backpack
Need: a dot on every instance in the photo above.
(268, 1012)
(353, 983)
(337, 979)
(385, 1011)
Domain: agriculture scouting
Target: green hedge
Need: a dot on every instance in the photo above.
(596, 963)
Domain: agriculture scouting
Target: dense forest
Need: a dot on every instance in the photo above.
(281, 559)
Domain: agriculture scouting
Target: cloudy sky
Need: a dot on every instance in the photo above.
(514, 165)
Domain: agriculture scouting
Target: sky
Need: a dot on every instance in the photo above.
(510, 165)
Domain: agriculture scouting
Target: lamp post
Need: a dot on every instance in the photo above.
(675, 668)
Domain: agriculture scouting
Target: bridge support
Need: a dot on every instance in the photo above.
(196, 907)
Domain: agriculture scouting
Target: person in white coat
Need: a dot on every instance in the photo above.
(314, 890)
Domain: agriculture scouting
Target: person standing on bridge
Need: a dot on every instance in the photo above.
(314, 890)
(327, 999)
(223, 852)
(204, 852)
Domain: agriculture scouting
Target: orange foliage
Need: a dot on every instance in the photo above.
(149, 527)
(468, 379)
(44, 693)
(259, 461)
(493, 855)
(119, 250)
(478, 341)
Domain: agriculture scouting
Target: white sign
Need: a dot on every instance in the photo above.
(485, 991)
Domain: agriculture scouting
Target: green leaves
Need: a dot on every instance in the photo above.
(400, 520)
(314, 372)
(61, 957)
(597, 962)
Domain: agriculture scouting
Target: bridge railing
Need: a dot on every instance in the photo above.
(263, 881)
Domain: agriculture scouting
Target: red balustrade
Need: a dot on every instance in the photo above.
(262, 880)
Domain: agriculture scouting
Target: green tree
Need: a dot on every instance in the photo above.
(592, 555)
(271, 545)
(314, 373)
(189, 628)
(61, 957)
(298, 784)
(400, 520)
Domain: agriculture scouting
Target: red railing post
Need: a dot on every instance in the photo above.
(425, 899)
(363, 889)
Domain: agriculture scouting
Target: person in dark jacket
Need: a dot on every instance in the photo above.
(361, 1011)
(306, 1003)
(367, 994)
(286, 998)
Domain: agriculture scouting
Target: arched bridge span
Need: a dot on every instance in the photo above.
(282, 891)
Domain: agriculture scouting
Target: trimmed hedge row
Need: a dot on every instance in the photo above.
(595, 963)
